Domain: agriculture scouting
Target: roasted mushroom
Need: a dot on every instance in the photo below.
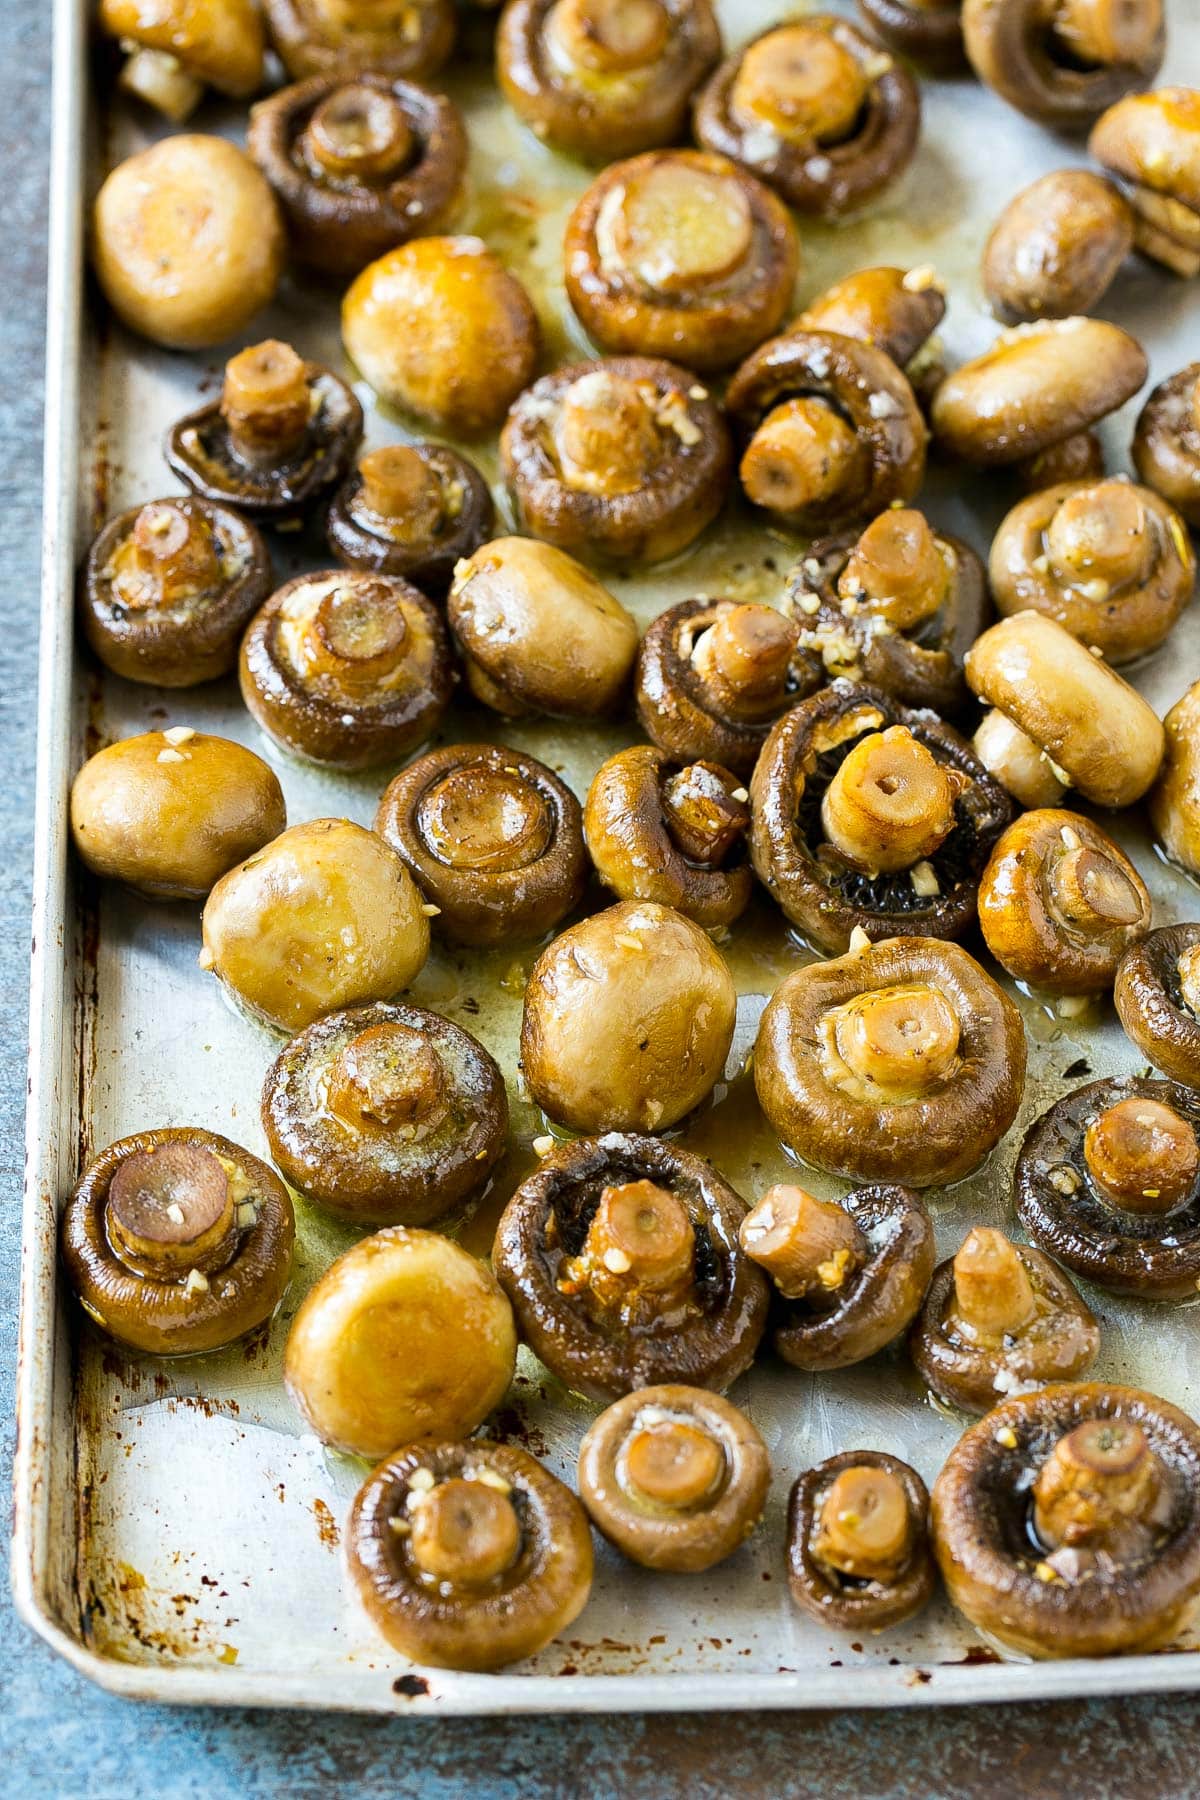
(1063, 61)
(1108, 560)
(1166, 442)
(833, 434)
(816, 110)
(1152, 143)
(359, 165)
(1056, 247)
(864, 814)
(169, 812)
(897, 606)
(168, 589)
(675, 1477)
(413, 510)
(1174, 802)
(409, 38)
(539, 633)
(675, 834)
(1067, 1522)
(405, 1336)
(897, 310)
(441, 328)
(277, 442)
(898, 1058)
(620, 1255)
(491, 837)
(468, 1555)
(175, 50)
(1079, 457)
(178, 1241)
(849, 1277)
(680, 254)
(627, 458)
(1108, 1181)
(187, 241)
(1157, 995)
(928, 31)
(605, 78)
(1060, 717)
(1000, 1318)
(347, 669)
(858, 1548)
(326, 916)
(628, 1020)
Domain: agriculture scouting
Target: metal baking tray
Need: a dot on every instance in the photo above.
(176, 1531)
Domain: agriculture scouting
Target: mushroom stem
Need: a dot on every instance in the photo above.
(159, 78)
(399, 486)
(608, 36)
(808, 1247)
(802, 454)
(1142, 1156)
(993, 1295)
(890, 803)
(897, 568)
(389, 1077)
(169, 556)
(670, 1462)
(703, 814)
(605, 435)
(1188, 967)
(356, 636)
(1101, 33)
(745, 658)
(171, 1210)
(1088, 891)
(359, 131)
(1011, 755)
(483, 818)
(1101, 534)
(864, 1529)
(265, 402)
(677, 226)
(801, 83)
(1099, 1482)
(903, 1040)
(640, 1241)
(463, 1532)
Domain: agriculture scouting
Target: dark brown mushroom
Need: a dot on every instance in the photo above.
(901, 1059)
(468, 1555)
(1064, 61)
(849, 1276)
(1079, 457)
(928, 31)
(347, 669)
(491, 837)
(1157, 995)
(359, 165)
(1056, 247)
(859, 1556)
(897, 310)
(1166, 442)
(1108, 1182)
(410, 38)
(169, 588)
(815, 109)
(1152, 143)
(276, 443)
(620, 1255)
(413, 510)
(178, 1241)
(1067, 1522)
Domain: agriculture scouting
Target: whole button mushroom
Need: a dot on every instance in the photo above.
(1056, 247)
(187, 241)
(1174, 803)
(1166, 442)
(1157, 996)
(897, 310)
(170, 812)
(1064, 61)
(627, 458)
(815, 109)
(682, 255)
(409, 38)
(628, 1020)
(859, 1556)
(1152, 143)
(176, 50)
(605, 78)
(413, 510)
(928, 31)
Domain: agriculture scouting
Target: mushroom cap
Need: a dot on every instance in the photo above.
(1056, 247)
(851, 1604)
(314, 37)
(1153, 140)
(1166, 442)
(897, 310)
(1011, 47)
(1174, 801)
(361, 540)
(220, 42)
(930, 35)
(1151, 1006)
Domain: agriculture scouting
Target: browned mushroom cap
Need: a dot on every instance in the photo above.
(832, 429)
(342, 37)
(1064, 62)
(492, 837)
(849, 1277)
(413, 510)
(675, 1477)
(385, 1114)
(897, 606)
(620, 1255)
(1108, 560)
(1067, 1522)
(359, 165)
(276, 443)
(1166, 442)
(168, 589)
(1056, 247)
(1037, 385)
(864, 814)
(1157, 995)
(178, 1241)
(1152, 141)
(627, 458)
(1174, 802)
(680, 254)
(675, 834)
(347, 669)
(998, 1319)
(468, 1555)
(858, 1548)
(901, 1058)
(605, 78)
(1060, 903)
(816, 110)
(1079, 457)
(928, 31)
(1107, 1183)
(176, 50)
(897, 310)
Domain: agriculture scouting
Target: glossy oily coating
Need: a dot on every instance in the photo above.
(928, 31)
(605, 1330)
(1056, 247)
(409, 38)
(174, 51)
(868, 1564)
(1166, 442)
(169, 587)
(178, 1241)
(1125, 1575)
(493, 839)
(680, 254)
(1063, 63)
(413, 510)
(1157, 996)
(674, 1476)
(897, 310)
(627, 458)
(1174, 802)
(1151, 142)
(849, 1085)
(385, 1114)
(170, 812)
(468, 1555)
(1077, 458)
